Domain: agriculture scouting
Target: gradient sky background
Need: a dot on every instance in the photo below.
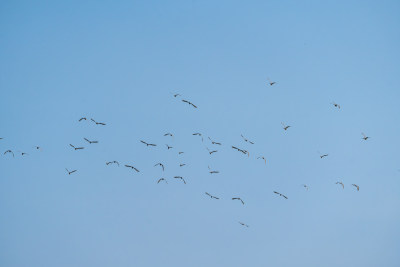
(120, 63)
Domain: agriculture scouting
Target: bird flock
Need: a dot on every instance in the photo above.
(211, 152)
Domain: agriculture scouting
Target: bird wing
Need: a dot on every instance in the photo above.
(71, 145)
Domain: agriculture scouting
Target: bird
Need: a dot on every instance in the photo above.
(213, 142)
(340, 184)
(305, 186)
(212, 196)
(246, 140)
(175, 95)
(336, 105)
(182, 164)
(90, 142)
(190, 103)
(285, 127)
(322, 155)
(9, 151)
(147, 144)
(199, 134)
(23, 153)
(270, 82)
(241, 150)
(211, 172)
(98, 123)
(263, 159)
(169, 134)
(180, 177)
(37, 147)
(162, 165)
(112, 162)
(243, 224)
(238, 198)
(209, 151)
(168, 147)
(81, 119)
(280, 194)
(133, 168)
(161, 179)
(365, 137)
(180, 152)
(358, 188)
(76, 148)
(69, 172)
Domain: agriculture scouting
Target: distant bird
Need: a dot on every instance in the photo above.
(280, 194)
(133, 168)
(265, 161)
(243, 224)
(211, 172)
(336, 105)
(76, 148)
(199, 134)
(190, 103)
(168, 147)
(246, 140)
(180, 152)
(340, 184)
(365, 137)
(23, 153)
(169, 134)
(175, 95)
(285, 127)
(37, 147)
(98, 123)
(323, 155)
(9, 151)
(238, 198)
(305, 186)
(112, 162)
(241, 150)
(211, 196)
(161, 179)
(81, 119)
(1, 138)
(70, 172)
(211, 152)
(358, 188)
(270, 82)
(162, 165)
(182, 164)
(90, 142)
(180, 177)
(147, 144)
(214, 143)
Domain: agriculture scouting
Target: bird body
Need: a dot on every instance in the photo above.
(238, 198)
(133, 168)
(211, 196)
(282, 195)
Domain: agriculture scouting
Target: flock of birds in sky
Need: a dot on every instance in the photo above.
(210, 151)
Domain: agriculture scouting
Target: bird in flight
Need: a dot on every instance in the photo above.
(9, 151)
(162, 165)
(182, 164)
(199, 134)
(180, 152)
(147, 144)
(168, 147)
(238, 198)
(98, 123)
(180, 177)
(336, 105)
(37, 147)
(241, 150)
(247, 140)
(270, 82)
(285, 127)
(209, 151)
(340, 184)
(23, 153)
(213, 142)
(133, 168)
(112, 162)
(69, 172)
(90, 142)
(161, 179)
(243, 224)
(175, 95)
(190, 103)
(76, 148)
(212, 196)
(322, 155)
(305, 186)
(265, 161)
(282, 195)
(358, 188)
(211, 172)
(169, 134)
(365, 137)
(81, 119)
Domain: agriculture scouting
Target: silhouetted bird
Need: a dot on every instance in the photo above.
(112, 162)
(270, 82)
(168, 134)
(182, 164)
(305, 186)
(76, 148)
(147, 144)
(358, 188)
(340, 184)
(70, 172)
(213, 142)
(280, 194)
(162, 165)
(84, 118)
(169, 147)
(180, 177)
(238, 198)
(133, 168)
(90, 142)
(211, 152)
(190, 103)
(336, 105)
(199, 134)
(9, 151)
(98, 123)
(365, 137)
(241, 150)
(243, 224)
(285, 127)
(265, 161)
(212, 196)
(211, 172)
(246, 140)
(180, 153)
(175, 95)
(161, 179)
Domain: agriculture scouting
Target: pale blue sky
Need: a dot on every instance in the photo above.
(119, 62)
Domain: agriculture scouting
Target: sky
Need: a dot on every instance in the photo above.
(121, 62)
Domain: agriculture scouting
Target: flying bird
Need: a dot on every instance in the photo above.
(168, 147)
(340, 184)
(212, 196)
(243, 224)
(211, 172)
(238, 198)
(365, 137)
(147, 144)
(112, 162)
(37, 147)
(358, 188)
(169, 134)
(23, 153)
(81, 119)
(98, 123)
(211, 152)
(182, 164)
(213, 142)
(180, 152)
(161, 179)
(322, 155)
(241, 150)
(76, 148)
(282, 195)
(190, 103)
(285, 127)
(199, 134)
(270, 82)
(246, 140)
(9, 151)
(265, 161)
(133, 168)
(305, 186)
(175, 95)
(180, 177)
(162, 165)
(69, 172)
(336, 105)
(90, 142)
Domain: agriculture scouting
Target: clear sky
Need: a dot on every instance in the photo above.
(120, 62)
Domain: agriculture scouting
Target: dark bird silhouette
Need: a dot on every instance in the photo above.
(243, 224)
(81, 119)
(133, 168)
(70, 172)
(241, 150)
(265, 161)
(270, 82)
(211, 172)
(365, 137)
(336, 105)
(23, 154)
(169, 147)
(246, 140)
(37, 147)
(199, 134)
(147, 144)
(180, 152)
(358, 188)
(305, 186)
(180, 177)
(9, 151)
(211, 196)
(190, 103)
(175, 95)
(161, 179)
(90, 142)
(182, 164)
(169, 134)
(322, 155)
(282, 195)
(76, 148)
(211, 152)
(162, 165)
(238, 198)
(340, 184)
(213, 142)
(112, 162)
(285, 127)
(98, 123)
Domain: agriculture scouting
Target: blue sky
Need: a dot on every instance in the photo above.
(120, 62)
